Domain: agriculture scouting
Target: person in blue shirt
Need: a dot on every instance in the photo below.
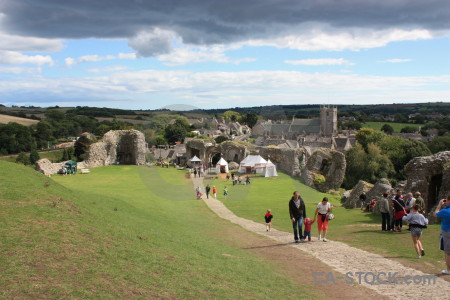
(443, 212)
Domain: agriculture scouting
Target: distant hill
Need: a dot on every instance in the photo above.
(180, 107)
(5, 119)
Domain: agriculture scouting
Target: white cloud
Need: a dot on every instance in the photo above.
(186, 55)
(69, 61)
(396, 60)
(320, 62)
(154, 42)
(12, 57)
(28, 44)
(19, 70)
(317, 40)
(108, 69)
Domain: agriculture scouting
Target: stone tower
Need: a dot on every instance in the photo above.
(328, 121)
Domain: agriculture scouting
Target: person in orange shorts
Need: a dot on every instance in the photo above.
(321, 214)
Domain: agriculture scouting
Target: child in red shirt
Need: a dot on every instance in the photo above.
(308, 222)
(268, 216)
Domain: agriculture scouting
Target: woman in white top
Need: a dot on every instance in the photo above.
(322, 211)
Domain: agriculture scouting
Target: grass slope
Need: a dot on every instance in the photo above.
(356, 228)
(121, 232)
(397, 126)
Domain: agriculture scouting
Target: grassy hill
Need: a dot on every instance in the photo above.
(5, 119)
(122, 232)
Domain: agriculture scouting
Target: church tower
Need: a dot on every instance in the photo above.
(328, 121)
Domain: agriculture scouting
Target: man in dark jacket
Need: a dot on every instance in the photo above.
(207, 189)
(297, 212)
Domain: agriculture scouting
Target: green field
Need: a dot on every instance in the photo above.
(53, 156)
(356, 228)
(123, 232)
(397, 126)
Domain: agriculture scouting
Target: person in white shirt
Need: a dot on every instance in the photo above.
(322, 211)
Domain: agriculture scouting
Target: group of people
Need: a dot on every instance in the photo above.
(238, 179)
(411, 210)
(297, 213)
(200, 171)
(395, 208)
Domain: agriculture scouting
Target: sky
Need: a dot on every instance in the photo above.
(147, 54)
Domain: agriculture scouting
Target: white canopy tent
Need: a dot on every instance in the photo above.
(222, 166)
(252, 164)
(270, 170)
(195, 160)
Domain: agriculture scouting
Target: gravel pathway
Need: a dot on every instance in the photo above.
(344, 259)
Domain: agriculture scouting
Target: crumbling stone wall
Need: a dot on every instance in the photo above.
(353, 199)
(118, 147)
(287, 160)
(205, 150)
(327, 163)
(430, 175)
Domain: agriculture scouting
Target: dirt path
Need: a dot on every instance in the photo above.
(343, 259)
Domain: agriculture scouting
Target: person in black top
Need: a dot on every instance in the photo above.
(399, 210)
(297, 212)
(207, 189)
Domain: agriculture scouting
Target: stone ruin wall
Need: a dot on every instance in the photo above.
(285, 159)
(118, 146)
(295, 162)
(426, 174)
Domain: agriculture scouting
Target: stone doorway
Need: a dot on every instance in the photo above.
(434, 187)
(215, 157)
(126, 151)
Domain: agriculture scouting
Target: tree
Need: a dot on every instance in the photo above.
(400, 118)
(388, 129)
(356, 125)
(232, 115)
(81, 147)
(65, 155)
(22, 158)
(409, 129)
(250, 119)
(176, 132)
(368, 136)
(440, 143)
(400, 151)
(221, 139)
(34, 156)
(368, 166)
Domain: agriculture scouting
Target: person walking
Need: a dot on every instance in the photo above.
(416, 224)
(215, 192)
(297, 212)
(443, 211)
(207, 190)
(308, 224)
(384, 210)
(268, 218)
(195, 172)
(409, 202)
(399, 210)
(420, 202)
(322, 211)
(225, 192)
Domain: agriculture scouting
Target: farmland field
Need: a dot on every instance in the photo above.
(397, 126)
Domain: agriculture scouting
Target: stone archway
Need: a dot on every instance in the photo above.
(429, 175)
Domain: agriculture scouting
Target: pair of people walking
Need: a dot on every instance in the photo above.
(297, 212)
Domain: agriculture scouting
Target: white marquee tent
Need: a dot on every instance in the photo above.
(222, 166)
(252, 164)
(195, 160)
(270, 170)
